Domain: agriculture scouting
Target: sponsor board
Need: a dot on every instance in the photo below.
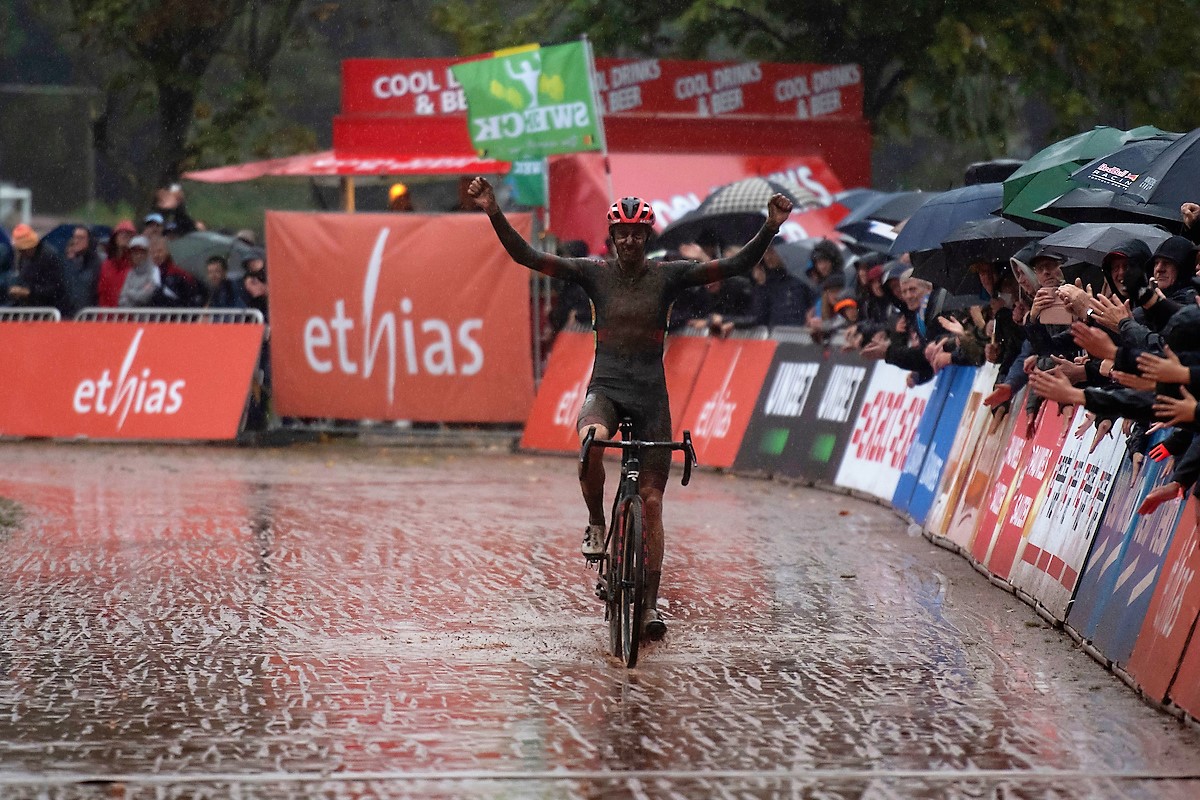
(805, 413)
(967, 441)
(724, 396)
(935, 438)
(1065, 525)
(1029, 487)
(122, 380)
(1171, 619)
(883, 432)
(426, 87)
(398, 316)
(681, 363)
(552, 422)
(965, 511)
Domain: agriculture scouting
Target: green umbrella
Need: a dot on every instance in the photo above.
(1046, 175)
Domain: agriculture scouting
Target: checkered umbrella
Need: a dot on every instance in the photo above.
(734, 212)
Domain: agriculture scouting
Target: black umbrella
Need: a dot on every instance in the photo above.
(1101, 205)
(852, 199)
(989, 239)
(733, 212)
(872, 226)
(1090, 242)
(1119, 170)
(940, 216)
(1170, 179)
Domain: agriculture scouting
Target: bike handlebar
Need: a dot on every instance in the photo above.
(689, 453)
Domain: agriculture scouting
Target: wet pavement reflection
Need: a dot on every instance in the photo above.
(338, 621)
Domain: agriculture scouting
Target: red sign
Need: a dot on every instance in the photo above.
(1000, 491)
(552, 420)
(426, 87)
(1171, 618)
(682, 361)
(123, 380)
(1031, 483)
(724, 396)
(398, 316)
(675, 184)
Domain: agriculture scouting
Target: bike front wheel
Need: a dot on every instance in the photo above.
(632, 579)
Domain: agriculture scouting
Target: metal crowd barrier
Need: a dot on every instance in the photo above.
(31, 314)
(219, 315)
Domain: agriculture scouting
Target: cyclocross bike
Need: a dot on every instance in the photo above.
(623, 566)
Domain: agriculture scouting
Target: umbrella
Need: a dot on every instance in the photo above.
(192, 251)
(1091, 241)
(1119, 170)
(60, 235)
(941, 215)
(872, 225)
(1101, 205)
(797, 255)
(1047, 174)
(853, 198)
(734, 212)
(1171, 179)
(989, 239)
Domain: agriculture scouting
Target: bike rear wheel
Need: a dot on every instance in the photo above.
(632, 580)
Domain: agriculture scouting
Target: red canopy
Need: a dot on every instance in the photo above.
(331, 162)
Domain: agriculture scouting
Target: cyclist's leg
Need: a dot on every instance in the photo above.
(656, 467)
(598, 414)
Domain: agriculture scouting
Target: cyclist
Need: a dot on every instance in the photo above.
(631, 299)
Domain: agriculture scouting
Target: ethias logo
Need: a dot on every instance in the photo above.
(132, 390)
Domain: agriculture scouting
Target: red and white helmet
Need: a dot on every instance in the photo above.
(633, 210)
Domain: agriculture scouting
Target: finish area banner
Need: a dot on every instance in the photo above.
(398, 316)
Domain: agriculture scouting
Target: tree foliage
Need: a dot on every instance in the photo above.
(968, 68)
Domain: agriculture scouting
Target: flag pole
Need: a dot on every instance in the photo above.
(587, 43)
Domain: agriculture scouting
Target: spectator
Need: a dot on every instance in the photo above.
(41, 275)
(841, 309)
(254, 283)
(222, 293)
(153, 226)
(826, 260)
(1175, 269)
(706, 247)
(178, 288)
(398, 198)
(116, 266)
(142, 281)
(170, 205)
(82, 268)
(780, 299)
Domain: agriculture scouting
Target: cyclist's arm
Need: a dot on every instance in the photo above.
(699, 273)
(521, 252)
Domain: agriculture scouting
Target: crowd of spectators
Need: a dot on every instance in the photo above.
(130, 268)
(1126, 349)
(133, 267)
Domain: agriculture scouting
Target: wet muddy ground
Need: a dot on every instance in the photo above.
(345, 621)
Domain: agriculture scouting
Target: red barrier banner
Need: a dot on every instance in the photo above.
(724, 397)
(1029, 488)
(552, 420)
(1171, 620)
(1001, 489)
(682, 361)
(883, 433)
(398, 316)
(124, 380)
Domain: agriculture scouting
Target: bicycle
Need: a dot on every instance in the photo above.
(622, 567)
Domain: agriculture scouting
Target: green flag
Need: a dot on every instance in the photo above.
(528, 181)
(531, 102)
